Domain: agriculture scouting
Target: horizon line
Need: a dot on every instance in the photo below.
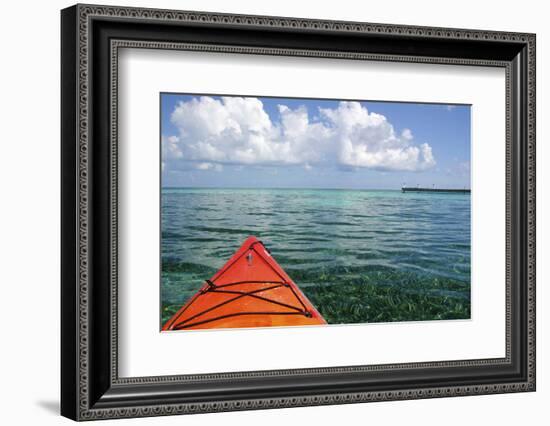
(308, 188)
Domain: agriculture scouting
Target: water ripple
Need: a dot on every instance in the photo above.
(418, 242)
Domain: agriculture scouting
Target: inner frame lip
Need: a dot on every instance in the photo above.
(116, 44)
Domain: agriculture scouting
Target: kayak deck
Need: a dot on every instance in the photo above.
(250, 290)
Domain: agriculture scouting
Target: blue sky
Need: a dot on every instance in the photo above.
(249, 142)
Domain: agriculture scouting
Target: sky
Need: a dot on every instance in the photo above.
(266, 142)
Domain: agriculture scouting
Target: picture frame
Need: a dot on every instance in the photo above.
(90, 384)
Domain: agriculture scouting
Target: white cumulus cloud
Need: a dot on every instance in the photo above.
(209, 166)
(233, 130)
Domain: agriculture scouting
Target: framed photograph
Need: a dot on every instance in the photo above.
(263, 212)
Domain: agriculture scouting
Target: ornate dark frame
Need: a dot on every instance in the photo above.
(91, 37)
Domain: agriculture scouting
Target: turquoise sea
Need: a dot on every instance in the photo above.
(359, 255)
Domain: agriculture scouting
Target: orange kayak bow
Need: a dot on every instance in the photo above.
(250, 290)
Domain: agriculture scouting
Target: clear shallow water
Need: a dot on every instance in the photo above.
(415, 244)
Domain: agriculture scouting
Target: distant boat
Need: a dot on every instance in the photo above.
(449, 190)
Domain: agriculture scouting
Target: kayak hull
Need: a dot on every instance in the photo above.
(250, 290)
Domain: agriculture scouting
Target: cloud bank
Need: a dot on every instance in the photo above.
(213, 132)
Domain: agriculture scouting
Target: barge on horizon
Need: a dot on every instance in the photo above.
(450, 190)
